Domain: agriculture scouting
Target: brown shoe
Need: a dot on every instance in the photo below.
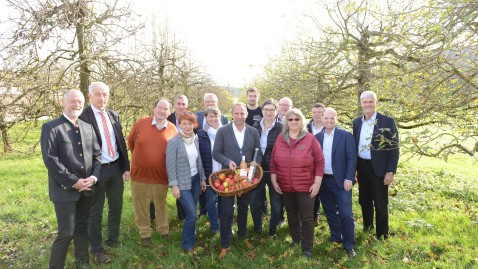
(223, 253)
(147, 242)
(248, 245)
(316, 222)
(101, 257)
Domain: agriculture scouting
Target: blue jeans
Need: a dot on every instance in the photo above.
(276, 205)
(189, 200)
(211, 205)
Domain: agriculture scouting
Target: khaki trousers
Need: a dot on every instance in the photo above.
(143, 194)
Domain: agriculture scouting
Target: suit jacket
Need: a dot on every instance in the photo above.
(200, 116)
(385, 157)
(89, 116)
(227, 149)
(67, 158)
(177, 163)
(172, 118)
(344, 155)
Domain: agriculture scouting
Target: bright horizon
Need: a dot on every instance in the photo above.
(232, 40)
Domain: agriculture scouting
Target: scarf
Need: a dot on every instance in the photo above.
(187, 139)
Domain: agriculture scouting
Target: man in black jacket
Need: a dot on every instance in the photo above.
(114, 169)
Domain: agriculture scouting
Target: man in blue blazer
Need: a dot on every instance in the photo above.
(233, 141)
(339, 176)
(72, 156)
(376, 140)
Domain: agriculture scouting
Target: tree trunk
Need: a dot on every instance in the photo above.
(81, 34)
(363, 66)
(6, 141)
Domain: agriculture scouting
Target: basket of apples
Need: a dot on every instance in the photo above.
(228, 182)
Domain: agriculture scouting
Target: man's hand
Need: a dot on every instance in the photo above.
(348, 185)
(84, 184)
(388, 180)
(232, 165)
(126, 176)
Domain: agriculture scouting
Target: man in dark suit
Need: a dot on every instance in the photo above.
(233, 141)
(180, 104)
(72, 157)
(377, 162)
(339, 175)
(114, 169)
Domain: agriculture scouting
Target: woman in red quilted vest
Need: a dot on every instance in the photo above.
(297, 168)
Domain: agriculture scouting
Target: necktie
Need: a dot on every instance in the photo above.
(107, 135)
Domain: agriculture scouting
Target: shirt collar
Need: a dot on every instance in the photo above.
(237, 130)
(68, 119)
(95, 110)
(154, 122)
(372, 119)
(331, 133)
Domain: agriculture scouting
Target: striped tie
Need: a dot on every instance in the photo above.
(107, 135)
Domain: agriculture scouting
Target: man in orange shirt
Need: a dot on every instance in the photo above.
(149, 180)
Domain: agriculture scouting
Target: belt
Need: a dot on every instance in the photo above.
(111, 163)
(364, 160)
(328, 176)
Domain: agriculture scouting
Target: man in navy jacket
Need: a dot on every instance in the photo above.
(339, 176)
(376, 140)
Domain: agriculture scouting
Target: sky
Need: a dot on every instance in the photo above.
(231, 39)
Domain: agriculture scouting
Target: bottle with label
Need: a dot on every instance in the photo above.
(243, 167)
(252, 168)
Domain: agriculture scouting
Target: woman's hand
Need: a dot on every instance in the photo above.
(203, 186)
(176, 192)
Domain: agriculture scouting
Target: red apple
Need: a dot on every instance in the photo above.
(221, 188)
(255, 180)
(217, 183)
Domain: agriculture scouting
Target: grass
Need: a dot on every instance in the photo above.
(433, 223)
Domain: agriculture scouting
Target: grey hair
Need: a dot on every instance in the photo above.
(69, 91)
(210, 94)
(162, 99)
(98, 84)
(298, 113)
(288, 100)
(367, 94)
(183, 97)
(331, 110)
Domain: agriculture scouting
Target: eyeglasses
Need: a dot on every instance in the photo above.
(295, 119)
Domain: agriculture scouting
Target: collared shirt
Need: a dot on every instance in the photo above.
(105, 155)
(264, 134)
(239, 135)
(160, 127)
(365, 141)
(327, 150)
(315, 130)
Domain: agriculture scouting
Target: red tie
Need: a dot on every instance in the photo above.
(107, 134)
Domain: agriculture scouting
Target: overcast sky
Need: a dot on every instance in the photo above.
(233, 39)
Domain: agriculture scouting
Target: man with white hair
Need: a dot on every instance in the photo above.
(114, 169)
(377, 162)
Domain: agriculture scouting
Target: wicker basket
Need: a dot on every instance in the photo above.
(214, 176)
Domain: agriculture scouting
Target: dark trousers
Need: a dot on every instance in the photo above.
(111, 186)
(263, 196)
(227, 216)
(180, 210)
(337, 205)
(373, 198)
(72, 219)
(256, 204)
(202, 203)
(316, 207)
(299, 207)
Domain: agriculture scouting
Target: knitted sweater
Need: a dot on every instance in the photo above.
(148, 151)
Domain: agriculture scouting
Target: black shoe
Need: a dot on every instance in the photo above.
(101, 257)
(147, 242)
(351, 253)
(307, 254)
(113, 244)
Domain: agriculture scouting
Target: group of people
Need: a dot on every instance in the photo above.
(305, 164)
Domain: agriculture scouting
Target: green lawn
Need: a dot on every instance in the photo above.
(433, 221)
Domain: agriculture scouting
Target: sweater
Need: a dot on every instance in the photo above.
(296, 166)
(148, 151)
